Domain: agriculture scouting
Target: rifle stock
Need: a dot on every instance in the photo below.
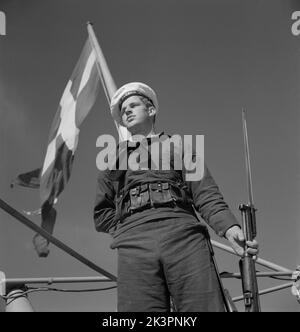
(247, 263)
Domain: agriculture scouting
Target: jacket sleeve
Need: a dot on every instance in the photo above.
(210, 203)
(105, 210)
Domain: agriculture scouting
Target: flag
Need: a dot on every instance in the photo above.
(30, 179)
(78, 98)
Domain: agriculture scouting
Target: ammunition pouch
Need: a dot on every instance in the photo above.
(152, 195)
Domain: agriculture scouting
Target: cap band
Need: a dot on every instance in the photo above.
(132, 93)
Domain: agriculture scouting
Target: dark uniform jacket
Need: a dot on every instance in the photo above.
(205, 194)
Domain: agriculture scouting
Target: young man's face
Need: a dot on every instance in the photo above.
(134, 112)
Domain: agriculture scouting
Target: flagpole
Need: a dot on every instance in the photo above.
(107, 80)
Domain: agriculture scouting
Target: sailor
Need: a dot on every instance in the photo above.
(152, 215)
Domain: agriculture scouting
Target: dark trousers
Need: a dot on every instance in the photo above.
(162, 258)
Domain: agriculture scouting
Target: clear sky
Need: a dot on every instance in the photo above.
(206, 59)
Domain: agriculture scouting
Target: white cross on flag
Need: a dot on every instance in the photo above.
(77, 100)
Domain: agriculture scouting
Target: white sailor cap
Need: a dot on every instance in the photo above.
(128, 90)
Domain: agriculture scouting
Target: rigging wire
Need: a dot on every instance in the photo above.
(10, 298)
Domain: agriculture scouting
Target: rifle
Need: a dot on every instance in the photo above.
(247, 263)
(228, 302)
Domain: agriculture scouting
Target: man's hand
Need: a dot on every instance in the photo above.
(236, 237)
